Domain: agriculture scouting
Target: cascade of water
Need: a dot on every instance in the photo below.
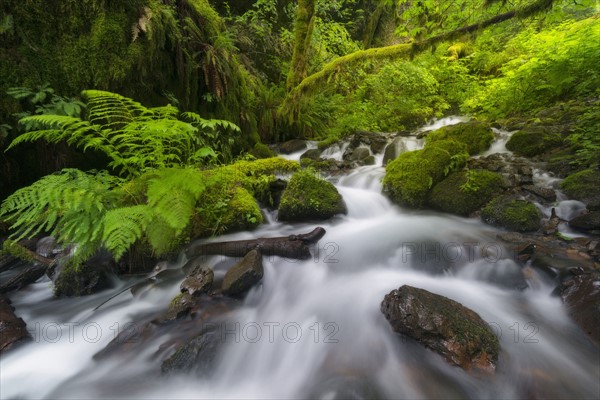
(314, 328)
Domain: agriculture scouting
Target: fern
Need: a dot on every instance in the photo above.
(124, 226)
(68, 205)
(136, 139)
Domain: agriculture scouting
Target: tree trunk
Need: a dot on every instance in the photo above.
(293, 246)
(302, 36)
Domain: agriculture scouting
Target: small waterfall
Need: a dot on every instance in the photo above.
(313, 328)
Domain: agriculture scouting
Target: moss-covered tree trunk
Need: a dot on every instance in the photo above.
(305, 15)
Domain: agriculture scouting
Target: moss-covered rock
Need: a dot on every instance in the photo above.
(457, 333)
(513, 214)
(242, 211)
(477, 136)
(308, 197)
(463, 193)
(409, 177)
(584, 186)
(407, 180)
(534, 140)
(261, 150)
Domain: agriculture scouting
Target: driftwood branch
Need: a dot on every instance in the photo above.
(293, 246)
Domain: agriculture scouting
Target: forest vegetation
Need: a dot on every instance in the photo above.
(141, 124)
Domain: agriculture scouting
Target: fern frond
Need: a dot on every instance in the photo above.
(111, 109)
(173, 194)
(124, 226)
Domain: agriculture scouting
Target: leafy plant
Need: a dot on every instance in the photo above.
(135, 138)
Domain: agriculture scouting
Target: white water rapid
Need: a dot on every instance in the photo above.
(313, 329)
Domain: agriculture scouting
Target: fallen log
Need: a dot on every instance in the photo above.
(27, 276)
(293, 246)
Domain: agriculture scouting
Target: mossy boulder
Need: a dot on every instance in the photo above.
(477, 136)
(516, 215)
(534, 140)
(584, 186)
(463, 193)
(242, 211)
(309, 197)
(409, 177)
(457, 333)
(261, 150)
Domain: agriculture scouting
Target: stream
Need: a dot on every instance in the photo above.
(313, 328)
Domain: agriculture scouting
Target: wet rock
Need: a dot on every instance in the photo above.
(180, 307)
(374, 140)
(308, 197)
(244, 275)
(29, 275)
(199, 281)
(47, 247)
(581, 294)
(543, 192)
(312, 154)
(358, 154)
(586, 222)
(8, 262)
(447, 327)
(393, 149)
(94, 275)
(369, 160)
(292, 146)
(12, 328)
(198, 355)
(511, 213)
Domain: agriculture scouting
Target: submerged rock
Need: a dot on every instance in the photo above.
(198, 355)
(447, 327)
(308, 197)
(242, 276)
(12, 328)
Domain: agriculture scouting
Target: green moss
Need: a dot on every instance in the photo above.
(16, 250)
(584, 186)
(516, 215)
(533, 140)
(325, 143)
(261, 151)
(309, 197)
(242, 211)
(76, 280)
(463, 193)
(477, 136)
(407, 179)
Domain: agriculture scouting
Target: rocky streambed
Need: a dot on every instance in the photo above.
(495, 296)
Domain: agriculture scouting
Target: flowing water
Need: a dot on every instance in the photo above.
(313, 329)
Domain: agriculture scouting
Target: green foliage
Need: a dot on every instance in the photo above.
(135, 138)
(398, 96)
(544, 67)
(585, 139)
(309, 197)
